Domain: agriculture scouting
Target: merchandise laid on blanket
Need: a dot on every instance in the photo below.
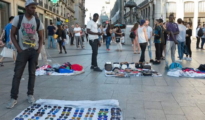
(72, 110)
(125, 69)
(176, 70)
(57, 69)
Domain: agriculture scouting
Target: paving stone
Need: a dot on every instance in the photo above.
(154, 114)
(176, 117)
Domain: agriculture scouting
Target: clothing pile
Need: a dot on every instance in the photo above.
(57, 69)
(176, 70)
(125, 69)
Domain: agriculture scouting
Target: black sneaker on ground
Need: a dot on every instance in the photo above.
(92, 67)
(156, 62)
(151, 60)
(60, 52)
(97, 69)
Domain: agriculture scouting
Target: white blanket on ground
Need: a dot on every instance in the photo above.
(180, 73)
(42, 72)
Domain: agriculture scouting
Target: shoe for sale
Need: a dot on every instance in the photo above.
(92, 67)
(11, 103)
(31, 99)
(97, 69)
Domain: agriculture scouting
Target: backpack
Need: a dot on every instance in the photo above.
(132, 35)
(200, 32)
(175, 66)
(19, 25)
(202, 67)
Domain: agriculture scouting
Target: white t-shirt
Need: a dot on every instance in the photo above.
(141, 35)
(93, 28)
(181, 37)
(77, 29)
(149, 30)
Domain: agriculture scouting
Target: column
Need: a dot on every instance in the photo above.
(151, 14)
(196, 13)
(180, 10)
(157, 14)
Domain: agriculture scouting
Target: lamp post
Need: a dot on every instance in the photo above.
(131, 4)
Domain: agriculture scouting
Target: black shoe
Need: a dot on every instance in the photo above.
(60, 52)
(151, 61)
(156, 63)
(65, 52)
(97, 69)
(92, 67)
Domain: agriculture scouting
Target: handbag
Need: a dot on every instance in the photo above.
(132, 35)
(117, 39)
(147, 67)
(55, 36)
(7, 53)
(147, 72)
(108, 66)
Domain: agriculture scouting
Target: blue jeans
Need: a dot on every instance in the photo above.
(181, 49)
(202, 42)
(99, 37)
(149, 49)
(49, 42)
(108, 42)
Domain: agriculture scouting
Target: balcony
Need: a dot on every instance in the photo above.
(46, 6)
(41, 3)
(50, 8)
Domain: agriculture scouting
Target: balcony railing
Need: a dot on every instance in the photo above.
(50, 8)
(46, 6)
(41, 3)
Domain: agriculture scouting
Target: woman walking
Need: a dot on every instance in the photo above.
(118, 34)
(61, 38)
(188, 42)
(135, 41)
(108, 32)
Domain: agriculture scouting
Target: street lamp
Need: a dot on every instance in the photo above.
(131, 4)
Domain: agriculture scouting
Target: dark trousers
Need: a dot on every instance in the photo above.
(82, 37)
(94, 44)
(72, 39)
(198, 41)
(87, 37)
(158, 51)
(30, 56)
(188, 44)
(143, 48)
(161, 49)
(202, 43)
(61, 45)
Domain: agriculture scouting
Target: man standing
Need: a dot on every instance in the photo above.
(172, 31)
(51, 31)
(203, 38)
(72, 33)
(92, 30)
(181, 37)
(78, 39)
(28, 45)
(149, 35)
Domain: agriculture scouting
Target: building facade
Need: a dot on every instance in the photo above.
(191, 11)
(47, 11)
(80, 12)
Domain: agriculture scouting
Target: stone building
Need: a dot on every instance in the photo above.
(47, 11)
(80, 12)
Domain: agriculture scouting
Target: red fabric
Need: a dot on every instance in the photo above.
(76, 67)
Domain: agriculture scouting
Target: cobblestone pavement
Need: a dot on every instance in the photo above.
(141, 98)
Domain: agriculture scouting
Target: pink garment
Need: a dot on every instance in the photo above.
(136, 33)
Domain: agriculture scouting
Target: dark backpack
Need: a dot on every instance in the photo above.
(202, 67)
(132, 35)
(200, 32)
(19, 25)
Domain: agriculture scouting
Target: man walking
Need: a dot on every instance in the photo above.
(72, 33)
(78, 39)
(149, 35)
(92, 30)
(28, 45)
(51, 31)
(181, 37)
(172, 30)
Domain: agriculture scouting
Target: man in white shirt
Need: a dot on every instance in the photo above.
(92, 30)
(149, 35)
(78, 39)
(181, 37)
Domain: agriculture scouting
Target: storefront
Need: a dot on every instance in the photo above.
(4, 14)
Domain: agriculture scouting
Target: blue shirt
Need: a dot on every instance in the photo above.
(204, 32)
(51, 30)
(7, 29)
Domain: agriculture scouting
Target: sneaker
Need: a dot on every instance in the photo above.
(184, 58)
(97, 69)
(92, 67)
(179, 61)
(189, 59)
(31, 99)
(151, 61)
(156, 63)
(11, 103)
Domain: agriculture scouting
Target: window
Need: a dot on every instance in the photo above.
(4, 15)
(201, 6)
(189, 7)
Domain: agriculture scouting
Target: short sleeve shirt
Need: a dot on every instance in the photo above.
(28, 36)
(77, 29)
(149, 30)
(93, 28)
(172, 27)
(7, 30)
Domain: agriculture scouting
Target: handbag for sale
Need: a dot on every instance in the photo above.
(108, 66)
(147, 67)
(117, 39)
(138, 65)
(147, 72)
(116, 65)
(132, 66)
